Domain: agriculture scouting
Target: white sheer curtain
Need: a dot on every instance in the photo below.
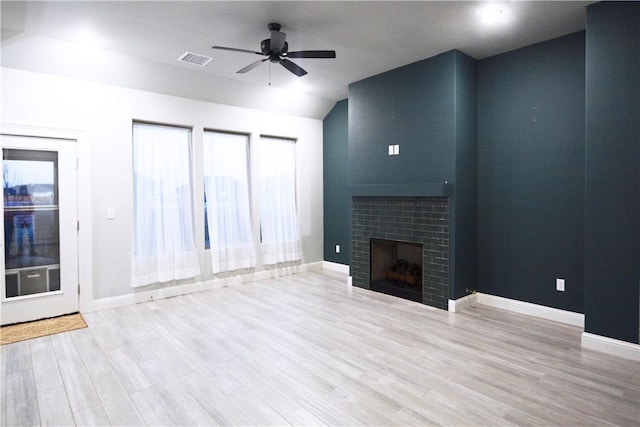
(163, 241)
(278, 215)
(226, 186)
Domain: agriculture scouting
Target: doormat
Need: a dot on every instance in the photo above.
(40, 328)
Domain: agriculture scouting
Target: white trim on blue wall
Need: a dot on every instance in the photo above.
(549, 313)
(589, 341)
(611, 346)
(457, 305)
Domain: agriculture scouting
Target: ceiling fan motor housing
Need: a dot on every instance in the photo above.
(265, 48)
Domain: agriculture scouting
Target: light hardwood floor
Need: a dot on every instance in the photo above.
(309, 350)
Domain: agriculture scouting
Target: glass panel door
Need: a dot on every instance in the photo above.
(40, 263)
(31, 222)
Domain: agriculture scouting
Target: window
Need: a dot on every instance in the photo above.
(278, 214)
(227, 209)
(163, 240)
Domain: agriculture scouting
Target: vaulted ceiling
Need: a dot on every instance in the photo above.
(137, 44)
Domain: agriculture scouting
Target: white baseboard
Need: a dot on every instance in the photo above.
(611, 346)
(173, 291)
(155, 294)
(590, 341)
(457, 305)
(334, 266)
(530, 309)
(549, 313)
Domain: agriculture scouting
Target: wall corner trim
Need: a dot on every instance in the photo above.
(334, 266)
(457, 305)
(611, 346)
(549, 313)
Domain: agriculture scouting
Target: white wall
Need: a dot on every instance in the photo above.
(104, 114)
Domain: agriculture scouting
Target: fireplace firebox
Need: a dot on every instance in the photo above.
(396, 268)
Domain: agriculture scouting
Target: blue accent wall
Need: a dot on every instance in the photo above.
(428, 108)
(612, 232)
(531, 173)
(337, 211)
(411, 106)
(464, 198)
(545, 184)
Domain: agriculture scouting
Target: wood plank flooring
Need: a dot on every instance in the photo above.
(309, 350)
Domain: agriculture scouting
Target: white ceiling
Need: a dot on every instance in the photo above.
(137, 44)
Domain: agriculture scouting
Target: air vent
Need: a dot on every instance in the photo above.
(194, 58)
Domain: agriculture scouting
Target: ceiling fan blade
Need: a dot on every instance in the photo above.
(294, 68)
(277, 41)
(251, 66)
(233, 49)
(312, 54)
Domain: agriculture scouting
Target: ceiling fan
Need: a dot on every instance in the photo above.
(276, 50)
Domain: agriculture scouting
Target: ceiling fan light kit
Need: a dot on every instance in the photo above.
(276, 50)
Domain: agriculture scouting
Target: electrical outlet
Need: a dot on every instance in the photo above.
(560, 285)
(337, 249)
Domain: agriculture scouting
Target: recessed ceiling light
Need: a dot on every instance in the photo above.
(85, 41)
(85, 37)
(494, 14)
(298, 86)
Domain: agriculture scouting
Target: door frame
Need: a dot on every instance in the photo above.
(83, 189)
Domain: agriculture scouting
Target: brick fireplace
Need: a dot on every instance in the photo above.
(422, 221)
